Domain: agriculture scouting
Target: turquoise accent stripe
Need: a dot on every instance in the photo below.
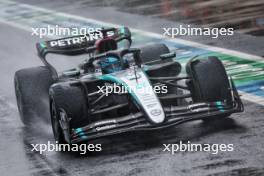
(80, 133)
(122, 30)
(77, 130)
(42, 45)
(219, 105)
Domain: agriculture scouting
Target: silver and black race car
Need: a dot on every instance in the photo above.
(155, 94)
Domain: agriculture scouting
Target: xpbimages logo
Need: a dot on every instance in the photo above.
(51, 31)
(114, 88)
(192, 147)
(82, 148)
(173, 32)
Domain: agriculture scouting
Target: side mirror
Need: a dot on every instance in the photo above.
(168, 56)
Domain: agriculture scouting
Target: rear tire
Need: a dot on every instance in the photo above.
(152, 52)
(209, 81)
(31, 89)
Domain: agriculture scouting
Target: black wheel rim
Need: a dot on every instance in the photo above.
(55, 122)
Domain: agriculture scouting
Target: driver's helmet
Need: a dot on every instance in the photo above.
(110, 65)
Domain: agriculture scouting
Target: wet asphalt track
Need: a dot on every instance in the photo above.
(127, 154)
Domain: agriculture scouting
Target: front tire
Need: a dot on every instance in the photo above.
(209, 81)
(57, 131)
(68, 110)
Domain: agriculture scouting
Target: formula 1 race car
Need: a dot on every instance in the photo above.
(157, 94)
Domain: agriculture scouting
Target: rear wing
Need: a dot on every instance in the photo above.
(81, 44)
(76, 45)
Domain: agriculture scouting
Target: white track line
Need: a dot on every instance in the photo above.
(246, 96)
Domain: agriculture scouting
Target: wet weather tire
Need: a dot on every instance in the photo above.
(209, 81)
(56, 128)
(68, 109)
(31, 89)
(152, 52)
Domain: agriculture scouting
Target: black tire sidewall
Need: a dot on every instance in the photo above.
(72, 100)
(152, 52)
(31, 89)
(57, 130)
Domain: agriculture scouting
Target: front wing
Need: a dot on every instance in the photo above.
(137, 122)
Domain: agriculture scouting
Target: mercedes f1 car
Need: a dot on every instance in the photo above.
(82, 109)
